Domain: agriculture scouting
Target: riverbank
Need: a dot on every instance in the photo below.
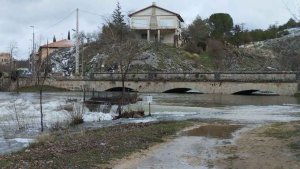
(201, 144)
(91, 149)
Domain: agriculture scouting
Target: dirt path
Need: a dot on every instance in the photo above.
(256, 150)
(187, 151)
(248, 149)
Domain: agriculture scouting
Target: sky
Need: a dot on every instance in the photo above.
(57, 17)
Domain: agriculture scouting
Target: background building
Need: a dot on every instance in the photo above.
(5, 58)
(157, 24)
(45, 51)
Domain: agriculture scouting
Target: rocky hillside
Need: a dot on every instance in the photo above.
(275, 54)
(271, 55)
(157, 58)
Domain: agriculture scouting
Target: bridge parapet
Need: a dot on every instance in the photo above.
(210, 76)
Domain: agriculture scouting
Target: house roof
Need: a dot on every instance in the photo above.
(59, 44)
(154, 6)
(4, 54)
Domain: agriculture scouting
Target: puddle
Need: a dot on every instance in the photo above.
(213, 131)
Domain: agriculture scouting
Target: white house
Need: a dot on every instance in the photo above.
(157, 24)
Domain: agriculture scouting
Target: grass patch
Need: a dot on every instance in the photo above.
(89, 149)
(278, 130)
(204, 58)
(288, 132)
(45, 89)
(295, 145)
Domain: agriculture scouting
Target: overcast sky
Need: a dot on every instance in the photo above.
(56, 17)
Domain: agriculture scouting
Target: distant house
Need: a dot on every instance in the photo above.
(47, 49)
(5, 58)
(154, 23)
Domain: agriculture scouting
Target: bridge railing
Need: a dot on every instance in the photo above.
(201, 76)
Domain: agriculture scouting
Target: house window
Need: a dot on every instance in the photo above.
(166, 23)
(140, 23)
(143, 36)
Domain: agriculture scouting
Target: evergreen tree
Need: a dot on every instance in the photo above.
(116, 29)
(236, 37)
(118, 17)
(54, 39)
(118, 22)
(221, 23)
(69, 35)
(196, 35)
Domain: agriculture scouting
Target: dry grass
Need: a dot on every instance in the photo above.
(88, 149)
(76, 116)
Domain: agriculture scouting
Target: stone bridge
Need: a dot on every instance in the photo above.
(282, 83)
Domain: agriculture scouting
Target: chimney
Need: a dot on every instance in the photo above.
(153, 4)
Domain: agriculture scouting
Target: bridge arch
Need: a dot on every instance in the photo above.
(182, 90)
(245, 92)
(256, 93)
(120, 89)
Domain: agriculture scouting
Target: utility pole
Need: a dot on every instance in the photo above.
(82, 74)
(33, 52)
(77, 44)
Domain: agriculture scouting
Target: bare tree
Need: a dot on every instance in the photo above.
(44, 67)
(13, 46)
(121, 48)
(13, 74)
(122, 55)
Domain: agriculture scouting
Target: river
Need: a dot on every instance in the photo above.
(20, 115)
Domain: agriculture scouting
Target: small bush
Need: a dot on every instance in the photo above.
(76, 116)
(58, 126)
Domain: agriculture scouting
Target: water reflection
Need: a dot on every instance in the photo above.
(213, 100)
(214, 131)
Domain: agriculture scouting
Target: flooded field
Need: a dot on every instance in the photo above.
(241, 111)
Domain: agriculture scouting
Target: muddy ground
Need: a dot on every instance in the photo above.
(276, 146)
(273, 146)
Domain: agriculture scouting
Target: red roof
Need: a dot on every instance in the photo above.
(59, 44)
(179, 17)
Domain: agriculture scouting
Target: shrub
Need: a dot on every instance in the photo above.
(76, 116)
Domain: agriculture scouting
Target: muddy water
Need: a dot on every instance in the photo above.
(213, 131)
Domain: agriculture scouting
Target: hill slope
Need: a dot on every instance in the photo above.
(274, 54)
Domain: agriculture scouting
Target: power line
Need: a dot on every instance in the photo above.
(61, 20)
(48, 28)
(92, 13)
